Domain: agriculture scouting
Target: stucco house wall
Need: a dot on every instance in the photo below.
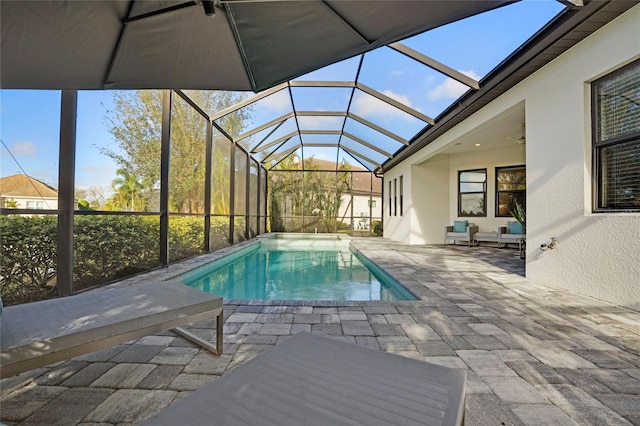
(597, 254)
(360, 208)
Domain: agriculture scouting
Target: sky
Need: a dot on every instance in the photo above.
(29, 119)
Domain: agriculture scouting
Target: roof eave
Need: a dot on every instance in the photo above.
(570, 27)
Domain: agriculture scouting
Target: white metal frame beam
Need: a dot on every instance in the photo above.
(260, 128)
(381, 96)
(433, 64)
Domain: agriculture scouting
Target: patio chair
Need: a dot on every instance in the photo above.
(314, 380)
(462, 230)
(41, 333)
(511, 234)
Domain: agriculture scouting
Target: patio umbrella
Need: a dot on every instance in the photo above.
(227, 45)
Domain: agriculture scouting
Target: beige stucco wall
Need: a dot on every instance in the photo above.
(47, 202)
(489, 159)
(597, 254)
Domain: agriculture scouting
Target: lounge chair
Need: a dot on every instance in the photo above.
(41, 333)
(314, 380)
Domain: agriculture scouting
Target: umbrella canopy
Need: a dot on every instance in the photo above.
(155, 44)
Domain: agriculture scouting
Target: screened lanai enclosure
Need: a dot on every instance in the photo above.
(104, 175)
(171, 157)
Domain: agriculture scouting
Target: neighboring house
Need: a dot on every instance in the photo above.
(573, 128)
(366, 192)
(25, 192)
(364, 202)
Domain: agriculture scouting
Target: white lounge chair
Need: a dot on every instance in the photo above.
(41, 333)
(314, 380)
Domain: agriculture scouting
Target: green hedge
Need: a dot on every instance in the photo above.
(27, 258)
(111, 247)
(106, 248)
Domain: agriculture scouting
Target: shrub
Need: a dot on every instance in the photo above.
(186, 236)
(106, 248)
(219, 236)
(27, 258)
(377, 227)
(110, 247)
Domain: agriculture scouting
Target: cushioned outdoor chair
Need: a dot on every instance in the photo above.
(513, 233)
(461, 230)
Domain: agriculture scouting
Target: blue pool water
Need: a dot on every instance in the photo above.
(270, 273)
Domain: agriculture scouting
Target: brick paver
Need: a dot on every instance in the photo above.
(533, 355)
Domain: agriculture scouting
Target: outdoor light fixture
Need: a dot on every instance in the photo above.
(549, 245)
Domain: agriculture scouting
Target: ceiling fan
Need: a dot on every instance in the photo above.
(522, 139)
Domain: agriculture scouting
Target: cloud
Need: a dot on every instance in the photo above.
(320, 122)
(279, 102)
(369, 106)
(450, 88)
(24, 149)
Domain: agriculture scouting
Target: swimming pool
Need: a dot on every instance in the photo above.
(297, 269)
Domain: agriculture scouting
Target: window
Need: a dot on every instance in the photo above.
(401, 195)
(31, 204)
(616, 140)
(390, 198)
(472, 192)
(372, 203)
(511, 185)
(395, 197)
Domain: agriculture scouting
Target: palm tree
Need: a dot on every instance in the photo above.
(127, 188)
(10, 203)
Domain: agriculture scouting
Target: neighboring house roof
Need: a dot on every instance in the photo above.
(362, 184)
(25, 186)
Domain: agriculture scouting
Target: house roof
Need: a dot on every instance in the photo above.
(21, 185)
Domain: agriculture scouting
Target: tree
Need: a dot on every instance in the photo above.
(286, 192)
(10, 203)
(324, 191)
(128, 190)
(93, 196)
(136, 124)
(310, 194)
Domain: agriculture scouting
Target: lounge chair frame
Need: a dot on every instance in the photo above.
(37, 334)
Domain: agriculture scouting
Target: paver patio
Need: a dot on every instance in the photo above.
(533, 355)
